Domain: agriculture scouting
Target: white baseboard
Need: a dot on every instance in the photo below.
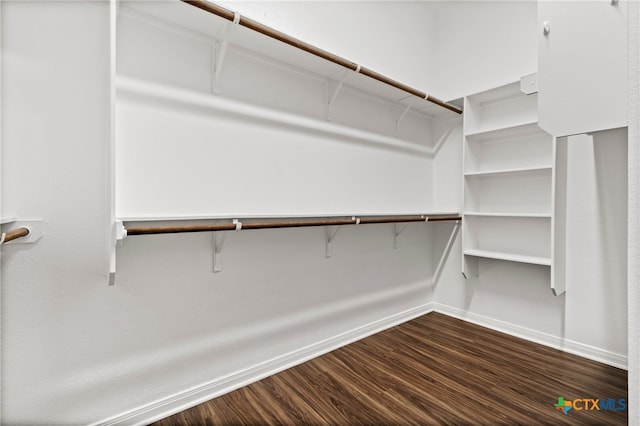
(576, 348)
(191, 397)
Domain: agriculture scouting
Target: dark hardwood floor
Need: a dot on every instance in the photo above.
(434, 370)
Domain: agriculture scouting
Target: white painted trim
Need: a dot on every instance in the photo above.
(2, 220)
(633, 239)
(197, 395)
(570, 346)
(110, 147)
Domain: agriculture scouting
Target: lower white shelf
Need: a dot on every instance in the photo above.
(507, 214)
(506, 171)
(535, 260)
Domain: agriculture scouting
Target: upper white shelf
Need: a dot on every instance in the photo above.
(184, 18)
(504, 93)
(507, 131)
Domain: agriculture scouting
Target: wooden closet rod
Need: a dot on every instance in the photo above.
(147, 230)
(273, 33)
(14, 235)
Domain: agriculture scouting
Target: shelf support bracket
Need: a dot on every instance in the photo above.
(403, 114)
(446, 251)
(333, 96)
(219, 238)
(397, 230)
(219, 50)
(442, 139)
(330, 233)
(120, 231)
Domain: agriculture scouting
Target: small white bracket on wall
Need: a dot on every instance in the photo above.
(446, 251)
(333, 96)
(330, 233)
(397, 230)
(120, 232)
(219, 238)
(403, 114)
(470, 266)
(218, 52)
(529, 84)
(442, 139)
(35, 228)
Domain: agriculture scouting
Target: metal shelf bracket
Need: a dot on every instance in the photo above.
(219, 238)
(446, 251)
(397, 230)
(333, 96)
(399, 118)
(330, 233)
(218, 52)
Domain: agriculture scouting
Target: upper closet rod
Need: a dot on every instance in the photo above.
(268, 31)
(236, 226)
(14, 235)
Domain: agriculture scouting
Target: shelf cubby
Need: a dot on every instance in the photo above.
(520, 236)
(501, 108)
(520, 147)
(516, 192)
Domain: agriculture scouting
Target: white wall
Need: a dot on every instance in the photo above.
(482, 44)
(237, 155)
(55, 133)
(596, 302)
(395, 38)
(76, 351)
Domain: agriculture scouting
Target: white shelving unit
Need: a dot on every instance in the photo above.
(509, 184)
(191, 85)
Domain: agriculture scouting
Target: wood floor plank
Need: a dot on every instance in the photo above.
(434, 370)
(431, 394)
(274, 388)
